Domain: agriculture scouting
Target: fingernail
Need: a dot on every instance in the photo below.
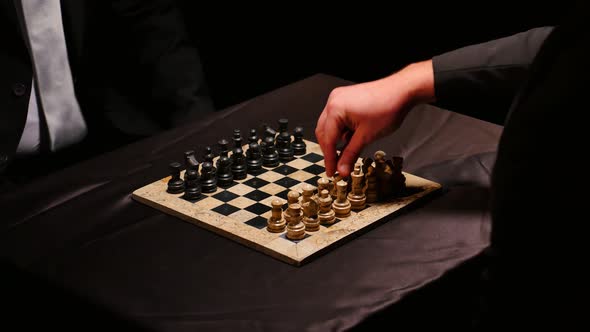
(344, 169)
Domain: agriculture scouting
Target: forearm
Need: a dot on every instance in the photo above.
(481, 80)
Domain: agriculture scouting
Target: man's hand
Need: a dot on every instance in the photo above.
(362, 113)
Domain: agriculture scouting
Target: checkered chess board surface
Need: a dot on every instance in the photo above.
(241, 210)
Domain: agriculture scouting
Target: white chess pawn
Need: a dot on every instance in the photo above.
(276, 223)
(357, 197)
(295, 226)
(341, 206)
(326, 214)
(292, 198)
(310, 207)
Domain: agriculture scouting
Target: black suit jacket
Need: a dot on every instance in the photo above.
(135, 72)
(535, 83)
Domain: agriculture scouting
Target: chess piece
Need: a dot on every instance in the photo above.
(209, 157)
(292, 198)
(175, 184)
(269, 132)
(270, 156)
(341, 205)
(190, 161)
(371, 179)
(192, 189)
(238, 164)
(298, 145)
(253, 138)
(356, 196)
(276, 223)
(310, 206)
(398, 179)
(223, 151)
(208, 178)
(383, 173)
(284, 148)
(237, 138)
(323, 183)
(224, 174)
(254, 159)
(295, 226)
(283, 125)
(326, 215)
(333, 188)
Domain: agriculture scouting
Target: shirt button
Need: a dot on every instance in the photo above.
(19, 89)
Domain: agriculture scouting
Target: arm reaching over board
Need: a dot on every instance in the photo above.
(362, 113)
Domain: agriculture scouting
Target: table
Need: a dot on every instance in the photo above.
(78, 236)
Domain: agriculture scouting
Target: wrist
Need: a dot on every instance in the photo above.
(418, 80)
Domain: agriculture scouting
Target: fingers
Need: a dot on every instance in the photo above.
(332, 130)
(352, 151)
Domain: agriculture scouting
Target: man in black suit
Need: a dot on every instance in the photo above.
(129, 71)
(534, 81)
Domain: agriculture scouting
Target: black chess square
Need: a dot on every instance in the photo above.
(225, 196)
(312, 157)
(256, 183)
(284, 236)
(257, 222)
(313, 181)
(202, 196)
(257, 172)
(258, 208)
(330, 225)
(286, 182)
(315, 169)
(283, 194)
(285, 169)
(257, 195)
(233, 183)
(225, 209)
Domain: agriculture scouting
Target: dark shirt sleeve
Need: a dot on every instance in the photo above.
(482, 80)
(170, 63)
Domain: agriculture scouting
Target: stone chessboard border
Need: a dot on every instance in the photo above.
(239, 212)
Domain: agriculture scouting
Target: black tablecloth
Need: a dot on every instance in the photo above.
(80, 231)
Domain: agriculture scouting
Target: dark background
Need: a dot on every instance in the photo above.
(248, 50)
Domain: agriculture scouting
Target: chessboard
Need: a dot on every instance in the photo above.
(241, 210)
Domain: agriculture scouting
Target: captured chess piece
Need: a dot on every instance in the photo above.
(208, 178)
(238, 164)
(276, 223)
(383, 174)
(295, 226)
(254, 158)
(310, 206)
(356, 196)
(371, 179)
(298, 145)
(341, 206)
(224, 174)
(326, 215)
(398, 179)
(192, 190)
(175, 184)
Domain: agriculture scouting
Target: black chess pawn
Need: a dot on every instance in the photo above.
(175, 184)
(208, 178)
(254, 158)
(224, 174)
(270, 156)
(298, 145)
(223, 150)
(209, 158)
(192, 190)
(237, 138)
(238, 164)
(284, 148)
(283, 125)
(253, 138)
(190, 161)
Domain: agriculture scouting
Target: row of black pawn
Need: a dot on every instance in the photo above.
(227, 169)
